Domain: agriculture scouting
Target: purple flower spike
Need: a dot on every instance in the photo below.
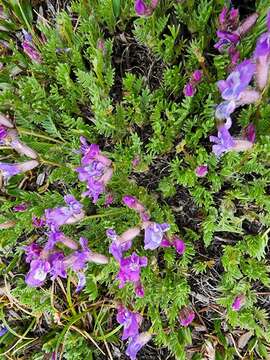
(223, 142)
(136, 343)
(154, 234)
(32, 252)
(38, 271)
(201, 170)
(96, 170)
(130, 320)
(238, 302)
(186, 316)
(179, 245)
(130, 268)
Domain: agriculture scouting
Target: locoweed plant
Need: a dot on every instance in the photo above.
(134, 179)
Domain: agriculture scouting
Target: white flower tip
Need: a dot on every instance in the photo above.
(28, 165)
(4, 121)
(242, 145)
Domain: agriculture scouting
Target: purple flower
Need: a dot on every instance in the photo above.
(8, 170)
(81, 281)
(109, 199)
(201, 170)
(186, 316)
(29, 48)
(121, 243)
(3, 134)
(133, 203)
(223, 142)
(58, 267)
(197, 76)
(142, 9)
(96, 170)
(20, 207)
(64, 215)
(189, 90)
(262, 57)
(37, 274)
(237, 81)
(32, 252)
(139, 290)
(136, 343)
(55, 237)
(130, 268)
(154, 234)
(179, 245)
(225, 109)
(130, 320)
(238, 302)
(3, 330)
(250, 133)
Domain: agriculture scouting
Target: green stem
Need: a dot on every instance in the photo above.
(69, 298)
(33, 133)
(43, 161)
(109, 213)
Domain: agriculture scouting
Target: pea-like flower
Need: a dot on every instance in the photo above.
(154, 234)
(136, 343)
(64, 215)
(201, 170)
(96, 170)
(130, 269)
(238, 302)
(142, 9)
(130, 320)
(186, 316)
(7, 170)
(133, 203)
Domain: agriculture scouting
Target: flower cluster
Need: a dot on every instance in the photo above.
(154, 236)
(230, 32)
(236, 91)
(9, 137)
(142, 9)
(131, 322)
(48, 260)
(190, 87)
(95, 170)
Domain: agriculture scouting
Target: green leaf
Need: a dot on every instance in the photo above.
(116, 7)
